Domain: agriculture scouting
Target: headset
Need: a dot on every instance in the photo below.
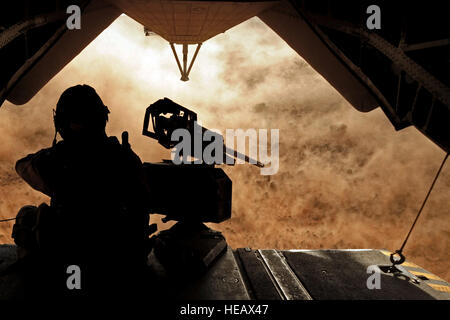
(98, 113)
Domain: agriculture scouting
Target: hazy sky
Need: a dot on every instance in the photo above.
(346, 179)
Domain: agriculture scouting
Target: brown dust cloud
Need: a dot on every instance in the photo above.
(346, 179)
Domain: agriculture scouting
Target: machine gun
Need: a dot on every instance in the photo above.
(191, 193)
(168, 116)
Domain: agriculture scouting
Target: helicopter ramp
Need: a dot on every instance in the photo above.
(341, 275)
(309, 275)
(248, 274)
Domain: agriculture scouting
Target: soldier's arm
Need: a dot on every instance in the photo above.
(32, 169)
(134, 162)
(144, 190)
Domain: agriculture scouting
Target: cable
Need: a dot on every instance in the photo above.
(5, 220)
(399, 252)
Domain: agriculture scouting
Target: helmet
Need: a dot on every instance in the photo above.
(80, 109)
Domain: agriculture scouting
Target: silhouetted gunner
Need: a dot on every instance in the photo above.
(98, 217)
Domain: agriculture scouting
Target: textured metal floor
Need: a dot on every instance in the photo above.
(245, 274)
(309, 274)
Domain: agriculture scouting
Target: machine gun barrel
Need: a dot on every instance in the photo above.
(180, 118)
(242, 156)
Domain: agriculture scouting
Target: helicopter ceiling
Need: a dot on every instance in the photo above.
(190, 22)
(402, 67)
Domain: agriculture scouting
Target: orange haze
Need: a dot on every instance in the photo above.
(346, 179)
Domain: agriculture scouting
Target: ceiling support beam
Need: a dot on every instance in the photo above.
(395, 54)
(427, 45)
(22, 27)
